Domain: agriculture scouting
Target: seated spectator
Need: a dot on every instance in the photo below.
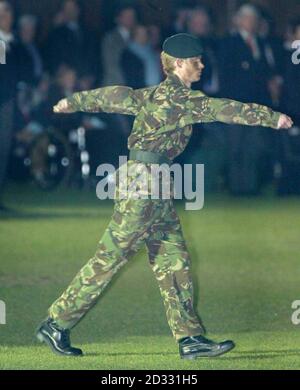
(64, 85)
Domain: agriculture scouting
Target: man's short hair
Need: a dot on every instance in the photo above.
(65, 2)
(248, 9)
(168, 63)
(123, 8)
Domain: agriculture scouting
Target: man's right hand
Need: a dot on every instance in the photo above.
(285, 122)
(62, 107)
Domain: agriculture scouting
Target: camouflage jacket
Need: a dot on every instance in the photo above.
(166, 112)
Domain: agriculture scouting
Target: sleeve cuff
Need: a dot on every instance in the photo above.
(275, 119)
(73, 103)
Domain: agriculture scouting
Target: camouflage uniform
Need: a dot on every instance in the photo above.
(164, 117)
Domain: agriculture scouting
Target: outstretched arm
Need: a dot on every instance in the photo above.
(200, 108)
(117, 99)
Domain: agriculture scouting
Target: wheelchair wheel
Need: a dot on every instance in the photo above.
(51, 160)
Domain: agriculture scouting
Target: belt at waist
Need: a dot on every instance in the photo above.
(149, 157)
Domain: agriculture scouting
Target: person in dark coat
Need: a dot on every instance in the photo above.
(114, 44)
(140, 63)
(71, 44)
(199, 24)
(207, 146)
(179, 20)
(133, 67)
(31, 67)
(244, 74)
(289, 143)
(9, 76)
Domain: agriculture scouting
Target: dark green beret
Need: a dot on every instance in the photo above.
(183, 46)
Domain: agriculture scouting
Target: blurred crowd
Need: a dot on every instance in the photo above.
(249, 63)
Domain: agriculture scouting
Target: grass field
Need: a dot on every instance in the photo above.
(246, 267)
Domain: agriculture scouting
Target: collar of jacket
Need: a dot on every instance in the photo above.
(175, 80)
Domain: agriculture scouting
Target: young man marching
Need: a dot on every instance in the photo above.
(162, 129)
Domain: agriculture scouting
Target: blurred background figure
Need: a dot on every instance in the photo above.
(140, 63)
(31, 117)
(199, 23)
(273, 44)
(208, 139)
(34, 109)
(68, 39)
(244, 75)
(274, 54)
(114, 44)
(179, 20)
(250, 64)
(155, 37)
(273, 50)
(31, 67)
(288, 34)
(64, 85)
(289, 142)
(9, 77)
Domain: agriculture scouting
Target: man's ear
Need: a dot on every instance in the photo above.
(179, 62)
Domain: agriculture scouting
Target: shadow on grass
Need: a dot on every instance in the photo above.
(232, 356)
(246, 355)
(118, 354)
(19, 215)
(260, 355)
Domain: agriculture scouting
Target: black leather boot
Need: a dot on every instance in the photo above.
(199, 346)
(57, 338)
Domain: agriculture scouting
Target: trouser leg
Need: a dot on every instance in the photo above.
(123, 237)
(170, 262)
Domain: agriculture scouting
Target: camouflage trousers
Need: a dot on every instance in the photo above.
(136, 222)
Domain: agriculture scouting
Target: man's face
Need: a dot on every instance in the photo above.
(71, 11)
(6, 18)
(141, 35)
(199, 24)
(249, 22)
(191, 69)
(127, 18)
(27, 32)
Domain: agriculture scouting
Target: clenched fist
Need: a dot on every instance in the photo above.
(62, 107)
(285, 122)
